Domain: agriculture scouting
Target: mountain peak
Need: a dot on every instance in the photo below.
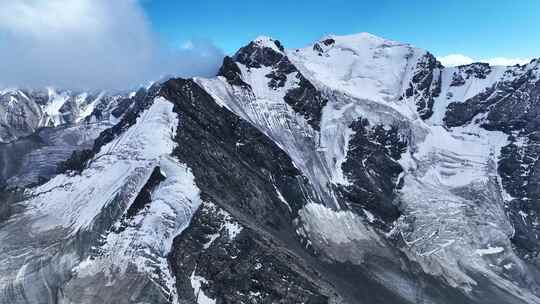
(268, 42)
(263, 51)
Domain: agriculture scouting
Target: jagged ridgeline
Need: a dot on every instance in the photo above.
(354, 170)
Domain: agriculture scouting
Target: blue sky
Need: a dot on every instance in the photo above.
(71, 43)
(478, 28)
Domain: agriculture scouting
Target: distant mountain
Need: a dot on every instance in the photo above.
(354, 170)
(26, 111)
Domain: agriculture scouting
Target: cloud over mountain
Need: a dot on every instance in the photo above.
(90, 44)
(459, 59)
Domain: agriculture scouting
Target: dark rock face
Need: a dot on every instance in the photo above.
(307, 100)
(519, 169)
(479, 70)
(459, 114)
(475, 70)
(242, 245)
(144, 197)
(372, 169)
(255, 56)
(244, 173)
(318, 46)
(244, 268)
(425, 85)
(279, 75)
(122, 108)
(239, 142)
(457, 80)
(513, 107)
(113, 105)
(231, 72)
(328, 42)
(7, 198)
(76, 162)
(507, 105)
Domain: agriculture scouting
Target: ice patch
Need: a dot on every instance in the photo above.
(227, 225)
(233, 229)
(264, 41)
(282, 199)
(363, 66)
(335, 226)
(489, 251)
(196, 283)
(52, 109)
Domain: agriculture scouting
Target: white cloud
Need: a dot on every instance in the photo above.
(455, 60)
(90, 44)
(459, 59)
(507, 61)
(188, 45)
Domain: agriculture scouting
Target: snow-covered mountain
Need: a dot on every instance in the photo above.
(354, 170)
(26, 111)
(40, 128)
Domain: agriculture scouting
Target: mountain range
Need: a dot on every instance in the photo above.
(354, 170)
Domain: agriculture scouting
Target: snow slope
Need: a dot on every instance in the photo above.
(71, 220)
